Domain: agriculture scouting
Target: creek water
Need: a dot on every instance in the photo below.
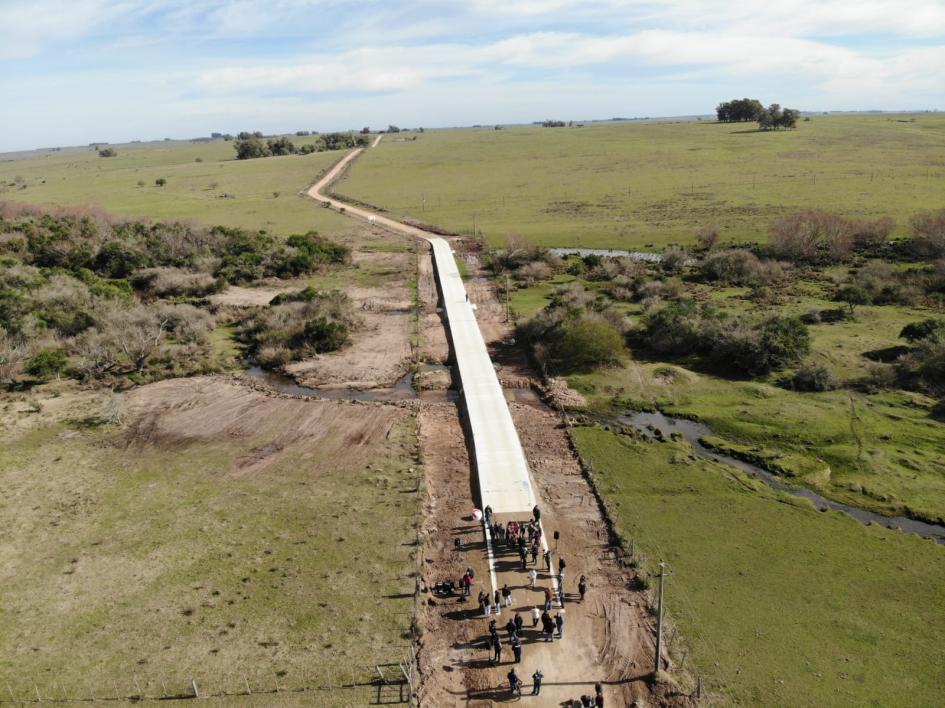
(608, 253)
(649, 423)
(403, 390)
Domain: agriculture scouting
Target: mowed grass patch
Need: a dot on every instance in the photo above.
(254, 194)
(643, 185)
(779, 604)
(163, 552)
(880, 451)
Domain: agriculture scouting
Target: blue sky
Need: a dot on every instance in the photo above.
(77, 71)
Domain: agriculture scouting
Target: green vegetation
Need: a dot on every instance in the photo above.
(134, 562)
(297, 325)
(98, 298)
(644, 185)
(203, 182)
(778, 604)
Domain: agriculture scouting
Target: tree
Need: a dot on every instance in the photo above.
(250, 148)
(365, 130)
(160, 181)
(854, 295)
(393, 129)
(789, 118)
(107, 152)
(280, 146)
(810, 235)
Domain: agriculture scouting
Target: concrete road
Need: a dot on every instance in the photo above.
(504, 481)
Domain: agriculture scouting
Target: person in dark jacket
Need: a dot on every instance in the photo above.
(536, 512)
(536, 682)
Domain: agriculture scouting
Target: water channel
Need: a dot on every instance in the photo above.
(403, 390)
(656, 425)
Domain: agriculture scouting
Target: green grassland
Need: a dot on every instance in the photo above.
(779, 604)
(123, 566)
(643, 185)
(254, 194)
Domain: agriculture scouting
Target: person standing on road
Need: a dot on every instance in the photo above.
(519, 623)
(515, 683)
(522, 556)
(536, 615)
(536, 682)
(517, 650)
(534, 553)
(548, 559)
(582, 587)
(532, 577)
(548, 598)
(536, 512)
(496, 649)
(559, 623)
(598, 695)
(548, 625)
(506, 595)
(498, 606)
(484, 603)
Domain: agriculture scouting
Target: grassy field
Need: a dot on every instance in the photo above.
(644, 185)
(215, 548)
(254, 194)
(779, 604)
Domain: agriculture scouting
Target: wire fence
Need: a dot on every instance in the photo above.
(380, 684)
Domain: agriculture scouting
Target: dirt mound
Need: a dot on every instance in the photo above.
(178, 412)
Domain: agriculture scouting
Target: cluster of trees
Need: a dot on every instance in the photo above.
(553, 124)
(816, 235)
(734, 346)
(251, 145)
(81, 293)
(752, 110)
(298, 324)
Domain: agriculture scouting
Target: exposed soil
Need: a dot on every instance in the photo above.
(238, 296)
(182, 411)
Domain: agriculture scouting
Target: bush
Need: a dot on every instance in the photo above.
(47, 363)
(584, 344)
(929, 329)
(534, 272)
(250, 147)
(160, 181)
(173, 282)
(107, 152)
(812, 378)
(867, 233)
(707, 236)
(734, 267)
(812, 235)
(674, 259)
(928, 233)
(320, 335)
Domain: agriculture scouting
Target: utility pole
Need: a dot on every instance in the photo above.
(659, 621)
(508, 295)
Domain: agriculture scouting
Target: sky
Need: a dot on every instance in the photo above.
(79, 71)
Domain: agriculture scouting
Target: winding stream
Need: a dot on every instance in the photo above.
(649, 423)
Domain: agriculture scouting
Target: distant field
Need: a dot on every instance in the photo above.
(217, 190)
(218, 535)
(779, 604)
(645, 185)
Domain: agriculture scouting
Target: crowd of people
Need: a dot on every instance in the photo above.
(525, 538)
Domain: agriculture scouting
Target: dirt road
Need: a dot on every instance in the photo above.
(607, 638)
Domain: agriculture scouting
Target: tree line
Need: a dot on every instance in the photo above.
(252, 145)
(746, 110)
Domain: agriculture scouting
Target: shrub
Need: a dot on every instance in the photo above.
(320, 335)
(707, 236)
(735, 267)
(47, 363)
(160, 181)
(812, 378)
(171, 282)
(811, 235)
(868, 233)
(674, 259)
(107, 152)
(928, 233)
(534, 272)
(923, 330)
(250, 147)
(583, 344)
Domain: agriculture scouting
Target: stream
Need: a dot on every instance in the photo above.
(403, 390)
(608, 253)
(649, 423)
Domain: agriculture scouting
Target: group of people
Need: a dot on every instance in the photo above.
(526, 537)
